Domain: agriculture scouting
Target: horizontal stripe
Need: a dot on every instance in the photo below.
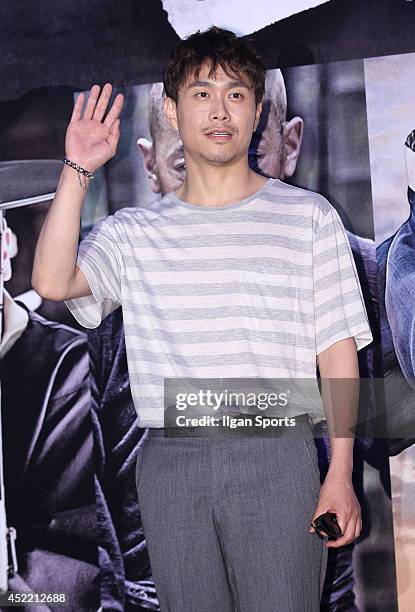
(337, 303)
(218, 289)
(214, 336)
(155, 278)
(208, 361)
(333, 328)
(306, 328)
(210, 348)
(290, 257)
(288, 369)
(183, 226)
(272, 265)
(172, 314)
(325, 282)
(330, 254)
(266, 378)
(144, 244)
(286, 301)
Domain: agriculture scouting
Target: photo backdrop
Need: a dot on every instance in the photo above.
(69, 471)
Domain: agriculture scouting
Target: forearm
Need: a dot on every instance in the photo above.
(341, 461)
(90, 142)
(339, 372)
(57, 245)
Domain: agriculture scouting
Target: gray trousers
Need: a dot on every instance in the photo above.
(226, 520)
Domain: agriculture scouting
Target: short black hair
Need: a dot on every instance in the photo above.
(215, 46)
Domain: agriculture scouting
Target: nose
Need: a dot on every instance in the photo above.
(219, 111)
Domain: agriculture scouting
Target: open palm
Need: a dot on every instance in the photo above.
(91, 142)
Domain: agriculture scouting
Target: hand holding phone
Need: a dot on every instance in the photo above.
(328, 524)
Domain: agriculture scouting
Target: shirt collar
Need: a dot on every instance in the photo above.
(17, 321)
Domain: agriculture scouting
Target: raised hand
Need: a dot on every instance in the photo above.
(91, 142)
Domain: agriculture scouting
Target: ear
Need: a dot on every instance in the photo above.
(9, 246)
(170, 111)
(257, 114)
(149, 163)
(293, 137)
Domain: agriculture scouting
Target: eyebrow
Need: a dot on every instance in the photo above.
(229, 85)
(176, 154)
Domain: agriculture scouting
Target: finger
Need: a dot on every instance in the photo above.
(342, 521)
(102, 103)
(315, 515)
(319, 510)
(348, 534)
(92, 99)
(311, 529)
(114, 135)
(76, 113)
(114, 110)
(358, 529)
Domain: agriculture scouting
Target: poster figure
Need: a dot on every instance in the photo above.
(48, 437)
(390, 93)
(395, 266)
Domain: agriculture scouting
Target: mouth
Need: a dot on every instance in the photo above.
(221, 135)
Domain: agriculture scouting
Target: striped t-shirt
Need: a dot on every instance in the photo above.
(253, 289)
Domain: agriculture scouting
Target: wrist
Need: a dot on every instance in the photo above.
(73, 175)
(82, 169)
(78, 161)
(340, 473)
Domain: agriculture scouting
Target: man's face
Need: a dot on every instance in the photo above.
(215, 117)
(164, 157)
(266, 151)
(169, 164)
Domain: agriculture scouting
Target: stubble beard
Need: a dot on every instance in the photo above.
(219, 157)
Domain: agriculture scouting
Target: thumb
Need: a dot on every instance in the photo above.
(317, 512)
(114, 135)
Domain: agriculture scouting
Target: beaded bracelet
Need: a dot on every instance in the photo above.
(80, 171)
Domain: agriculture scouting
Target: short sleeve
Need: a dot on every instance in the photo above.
(100, 260)
(339, 308)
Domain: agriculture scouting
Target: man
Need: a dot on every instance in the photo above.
(399, 278)
(215, 102)
(111, 395)
(395, 278)
(274, 151)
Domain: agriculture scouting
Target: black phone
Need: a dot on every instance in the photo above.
(327, 522)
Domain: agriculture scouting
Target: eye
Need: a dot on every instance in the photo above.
(200, 93)
(180, 166)
(254, 156)
(237, 93)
